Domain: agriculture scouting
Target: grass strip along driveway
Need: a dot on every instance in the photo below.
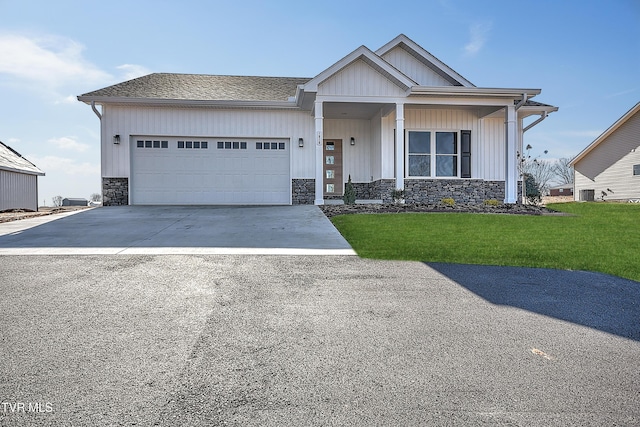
(603, 237)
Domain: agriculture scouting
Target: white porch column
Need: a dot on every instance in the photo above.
(399, 146)
(319, 198)
(511, 156)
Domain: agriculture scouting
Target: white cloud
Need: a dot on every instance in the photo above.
(71, 99)
(68, 143)
(50, 60)
(621, 93)
(67, 166)
(13, 141)
(478, 37)
(132, 71)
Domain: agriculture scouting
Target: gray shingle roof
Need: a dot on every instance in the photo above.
(203, 88)
(12, 160)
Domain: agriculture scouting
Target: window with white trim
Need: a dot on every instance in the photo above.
(437, 154)
(419, 153)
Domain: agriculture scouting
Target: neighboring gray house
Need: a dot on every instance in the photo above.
(396, 118)
(18, 181)
(609, 168)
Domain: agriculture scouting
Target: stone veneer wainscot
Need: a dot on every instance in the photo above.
(303, 191)
(472, 191)
(115, 191)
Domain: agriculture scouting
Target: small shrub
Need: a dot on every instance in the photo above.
(349, 197)
(491, 202)
(448, 202)
(397, 196)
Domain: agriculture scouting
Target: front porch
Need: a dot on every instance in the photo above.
(381, 156)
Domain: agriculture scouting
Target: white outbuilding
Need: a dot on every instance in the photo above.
(18, 181)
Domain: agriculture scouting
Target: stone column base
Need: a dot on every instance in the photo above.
(115, 191)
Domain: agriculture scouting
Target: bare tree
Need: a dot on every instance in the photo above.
(540, 170)
(563, 171)
(57, 201)
(543, 173)
(96, 197)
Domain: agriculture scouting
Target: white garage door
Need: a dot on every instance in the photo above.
(210, 171)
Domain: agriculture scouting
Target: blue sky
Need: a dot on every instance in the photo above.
(584, 55)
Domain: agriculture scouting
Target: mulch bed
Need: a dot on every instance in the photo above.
(8, 215)
(516, 209)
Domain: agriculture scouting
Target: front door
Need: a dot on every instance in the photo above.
(333, 183)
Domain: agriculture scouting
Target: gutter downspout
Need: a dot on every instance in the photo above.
(542, 117)
(95, 110)
(522, 101)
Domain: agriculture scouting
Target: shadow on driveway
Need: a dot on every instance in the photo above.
(607, 303)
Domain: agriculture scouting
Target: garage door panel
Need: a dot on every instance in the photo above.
(212, 175)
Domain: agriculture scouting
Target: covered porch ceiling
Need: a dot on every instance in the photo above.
(352, 110)
(366, 111)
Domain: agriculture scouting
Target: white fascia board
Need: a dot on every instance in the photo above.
(474, 91)
(442, 100)
(415, 48)
(530, 110)
(361, 52)
(605, 134)
(188, 102)
(24, 171)
(361, 99)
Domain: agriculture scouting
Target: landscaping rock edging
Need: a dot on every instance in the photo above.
(515, 209)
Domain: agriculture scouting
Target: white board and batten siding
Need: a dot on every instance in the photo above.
(491, 153)
(356, 159)
(204, 122)
(18, 190)
(359, 79)
(413, 68)
(608, 167)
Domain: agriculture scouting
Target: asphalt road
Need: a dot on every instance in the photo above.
(275, 340)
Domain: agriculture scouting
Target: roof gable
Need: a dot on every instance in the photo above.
(607, 133)
(359, 78)
(398, 53)
(13, 161)
(374, 61)
(414, 68)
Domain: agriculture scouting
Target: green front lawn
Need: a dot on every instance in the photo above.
(602, 237)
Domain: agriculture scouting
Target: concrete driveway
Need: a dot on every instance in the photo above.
(205, 340)
(271, 230)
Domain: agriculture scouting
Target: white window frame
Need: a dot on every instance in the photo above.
(433, 154)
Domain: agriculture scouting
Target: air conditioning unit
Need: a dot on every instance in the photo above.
(587, 195)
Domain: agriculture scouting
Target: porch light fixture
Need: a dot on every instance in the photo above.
(353, 141)
(116, 139)
(300, 142)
